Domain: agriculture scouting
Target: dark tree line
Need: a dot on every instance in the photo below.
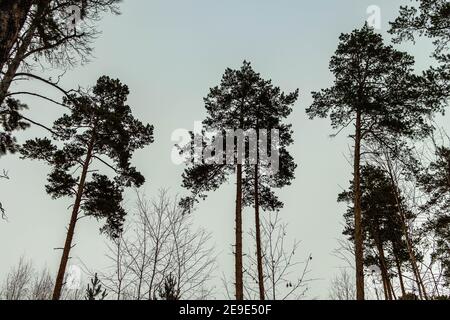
(382, 227)
(436, 183)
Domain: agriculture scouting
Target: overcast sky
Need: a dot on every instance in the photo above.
(170, 53)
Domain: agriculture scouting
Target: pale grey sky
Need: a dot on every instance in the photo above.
(170, 53)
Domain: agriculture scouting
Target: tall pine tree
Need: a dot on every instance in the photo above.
(244, 101)
(99, 128)
(431, 19)
(376, 91)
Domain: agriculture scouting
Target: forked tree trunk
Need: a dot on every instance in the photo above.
(73, 221)
(359, 250)
(238, 231)
(258, 237)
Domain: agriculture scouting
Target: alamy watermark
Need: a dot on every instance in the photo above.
(374, 17)
(232, 146)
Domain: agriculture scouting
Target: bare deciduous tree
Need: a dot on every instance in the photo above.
(343, 286)
(160, 242)
(25, 282)
(285, 277)
(42, 286)
(17, 282)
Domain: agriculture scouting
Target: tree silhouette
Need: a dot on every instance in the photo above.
(10, 121)
(160, 241)
(431, 18)
(35, 34)
(244, 101)
(95, 292)
(169, 290)
(376, 91)
(99, 127)
(39, 30)
(13, 15)
(397, 158)
(436, 180)
(382, 225)
(271, 108)
(436, 184)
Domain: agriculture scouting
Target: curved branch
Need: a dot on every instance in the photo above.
(106, 164)
(30, 75)
(36, 95)
(39, 125)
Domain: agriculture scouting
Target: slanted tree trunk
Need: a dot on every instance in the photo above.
(412, 257)
(409, 245)
(359, 250)
(13, 15)
(14, 64)
(73, 221)
(258, 237)
(383, 266)
(394, 295)
(238, 253)
(400, 275)
(385, 287)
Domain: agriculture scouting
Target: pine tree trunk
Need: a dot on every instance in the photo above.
(400, 276)
(359, 250)
(385, 287)
(258, 237)
(238, 254)
(13, 15)
(73, 221)
(384, 271)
